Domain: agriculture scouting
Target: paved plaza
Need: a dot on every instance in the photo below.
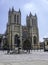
(34, 58)
(26, 63)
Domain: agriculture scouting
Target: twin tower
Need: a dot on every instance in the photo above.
(14, 28)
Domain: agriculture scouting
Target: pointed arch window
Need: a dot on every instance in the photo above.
(17, 19)
(28, 22)
(35, 39)
(47, 43)
(14, 18)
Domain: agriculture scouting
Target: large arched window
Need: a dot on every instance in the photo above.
(15, 18)
(35, 39)
(28, 22)
(47, 42)
(15, 39)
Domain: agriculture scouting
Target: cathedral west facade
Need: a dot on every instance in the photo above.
(14, 27)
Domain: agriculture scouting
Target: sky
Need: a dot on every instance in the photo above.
(40, 7)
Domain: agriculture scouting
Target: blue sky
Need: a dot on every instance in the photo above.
(40, 7)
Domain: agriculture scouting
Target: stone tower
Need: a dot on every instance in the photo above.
(32, 25)
(14, 27)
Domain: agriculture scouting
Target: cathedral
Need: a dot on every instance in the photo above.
(14, 27)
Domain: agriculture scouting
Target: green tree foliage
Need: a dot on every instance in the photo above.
(27, 45)
(0, 40)
(6, 46)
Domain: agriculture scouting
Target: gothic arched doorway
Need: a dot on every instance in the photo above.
(16, 40)
(35, 40)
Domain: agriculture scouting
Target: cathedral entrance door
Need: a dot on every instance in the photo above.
(16, 39)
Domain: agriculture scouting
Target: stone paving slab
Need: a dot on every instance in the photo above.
(34, 58)
(37, 62)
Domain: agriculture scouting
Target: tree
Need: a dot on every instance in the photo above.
(0, 40)
(5, 45)
(27, 45)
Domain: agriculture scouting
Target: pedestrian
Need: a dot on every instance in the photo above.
(18, 45)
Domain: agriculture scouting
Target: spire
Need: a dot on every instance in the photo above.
(19, 11)
(35, 15)
(9, 10)
(12, 9)
(30, 14)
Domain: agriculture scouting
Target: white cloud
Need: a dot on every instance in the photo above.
(30, 7)
(35, 6)
(46, 36)
(41, 8)
(45, 1)
(41, 39)
(43, 5)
